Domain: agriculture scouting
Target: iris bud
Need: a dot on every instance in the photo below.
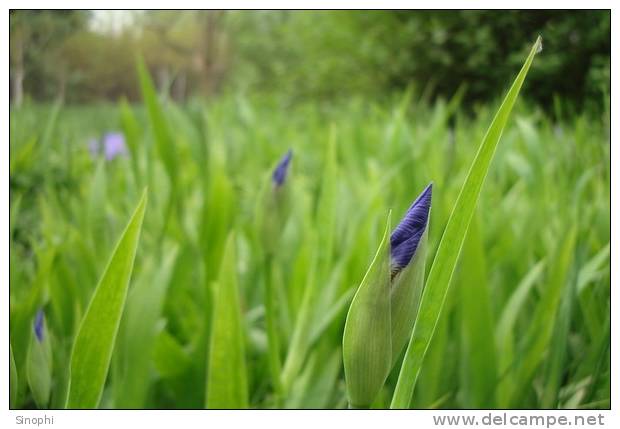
(384, 308)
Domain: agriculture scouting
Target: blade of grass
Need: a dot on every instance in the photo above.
(13, 382)
(539, 334)
(275, 364)
(559, 343)
(325, 217)
(335, 312)
(134, 354)
(451, 243)
(163, 140)
(367, 339)
(131, 128)
(39, 367)
(227, 384)
(303, 324)
(94, 342)
(478, 364)
(504, 337)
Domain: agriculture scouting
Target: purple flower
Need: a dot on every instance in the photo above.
(406, 237)
(112, 145)
(281, 170)
(38, 325)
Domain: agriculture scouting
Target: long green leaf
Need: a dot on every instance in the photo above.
(138, 332)
(451, 243)
(163, 139)
(13, 382)
(367, 339)
(504, 337)
(478, 367)
(539, 334)
(94, 342)
(227, 385)
(39, 367)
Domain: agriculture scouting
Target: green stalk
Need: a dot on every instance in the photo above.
(273, 340)
(449, 248)
(299, 344)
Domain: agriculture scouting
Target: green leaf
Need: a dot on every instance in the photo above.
(504, 337)
(134, 353)
(271, 324)
(95, 210)
(367, 339)
(405, 297)
(313, 387)
(39, 367)
(13, 382)
(227, 385)
(451, 243)
(478, 366)
(163, 139)
(335, 312)
(169, 357)
(558, 346)
(539, 333)
(590, 271)
(50, 127)
(298, 347)
(326, 210)
(132, 132)
(516, 301)
(94, 342)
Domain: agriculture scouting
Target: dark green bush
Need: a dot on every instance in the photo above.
(339, 52)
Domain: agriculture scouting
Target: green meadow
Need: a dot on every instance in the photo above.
(163, 279)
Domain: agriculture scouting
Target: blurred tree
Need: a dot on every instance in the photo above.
(185, 48)
(36, 63)
(103, 66)
(327, 52)
(311, 53)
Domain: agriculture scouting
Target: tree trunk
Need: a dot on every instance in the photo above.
(18, 86)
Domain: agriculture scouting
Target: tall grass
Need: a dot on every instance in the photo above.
(526, 323)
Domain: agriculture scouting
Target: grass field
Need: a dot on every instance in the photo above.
(526, 323)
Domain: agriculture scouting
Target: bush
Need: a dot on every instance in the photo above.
(322, 53)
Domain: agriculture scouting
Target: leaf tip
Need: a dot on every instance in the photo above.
(538, 45)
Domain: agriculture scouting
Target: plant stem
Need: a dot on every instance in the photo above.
(273, 340)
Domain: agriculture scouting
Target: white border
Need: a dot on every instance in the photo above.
(276, 419)
(314, 4)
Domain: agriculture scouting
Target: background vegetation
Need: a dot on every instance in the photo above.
(311, 54)
(374, 105)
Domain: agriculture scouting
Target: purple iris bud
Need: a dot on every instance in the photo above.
(406, 237)
(281, 170)
(114, 145)
(38, 325)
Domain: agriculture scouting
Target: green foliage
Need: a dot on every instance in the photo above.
(227, 385)
(354, 159)
(163, 140)
(37, 56)
(39, 368)
(367, 338)
(138, 332)
(478, 370)
(96, 336)
(319, 54)
(13, 381)
(405, 295)
(449, 249)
